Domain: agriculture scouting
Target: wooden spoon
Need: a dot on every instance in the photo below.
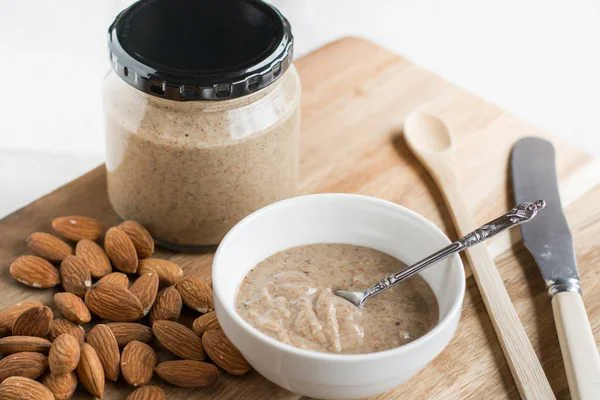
(429, 139)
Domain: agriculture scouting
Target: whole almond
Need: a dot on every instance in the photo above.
(72, 308)
(18, 344)
(62, 386)
(220, 349)
(21, 388)
(9, 314)
(168, 273)
(179, 340)
(143, 242)
(77, 228)
(126, 332)
(95, 258)
(120, 250)
(48, 246)
(64, 354)
(75, 275)
(147, 393)
(33, 322)
(60, 326)
(113, 302)
(167, 305)
(205, 323)
(137, 363)
(35, 272)
(196, 294)
(90, 371)
(145, 288)
(116, 278)
(102, 339)
(187, 373)
(27, 364)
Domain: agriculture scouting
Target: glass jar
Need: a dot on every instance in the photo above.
(202, 116)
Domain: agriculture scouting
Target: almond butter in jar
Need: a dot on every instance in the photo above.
(202, 116)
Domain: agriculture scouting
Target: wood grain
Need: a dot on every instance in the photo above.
(431, 147)
(355, 97)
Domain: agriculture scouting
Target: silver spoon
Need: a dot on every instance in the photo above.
(522, 213)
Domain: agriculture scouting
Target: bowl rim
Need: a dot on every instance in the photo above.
(248, 329)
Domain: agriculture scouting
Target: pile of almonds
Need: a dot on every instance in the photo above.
(59, 353)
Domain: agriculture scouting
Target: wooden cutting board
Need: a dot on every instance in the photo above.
(355, 97)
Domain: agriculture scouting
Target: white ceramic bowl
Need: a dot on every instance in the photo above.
(335, 218)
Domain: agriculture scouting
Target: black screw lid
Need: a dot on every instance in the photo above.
(200, 49)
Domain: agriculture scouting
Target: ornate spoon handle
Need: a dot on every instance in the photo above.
(521, 213)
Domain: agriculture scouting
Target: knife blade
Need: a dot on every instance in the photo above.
(548, 236)
(549, 240)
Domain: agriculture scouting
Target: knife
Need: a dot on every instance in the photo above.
(550, 242)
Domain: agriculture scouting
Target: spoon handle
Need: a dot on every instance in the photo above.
(521, 213)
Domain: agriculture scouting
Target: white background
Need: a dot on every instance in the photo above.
(538, 59)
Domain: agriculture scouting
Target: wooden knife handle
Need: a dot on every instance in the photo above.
(577, 346)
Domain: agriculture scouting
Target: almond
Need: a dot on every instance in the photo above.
(62, 386)
(35, 272)
(142, 241)
(102, 339)
(117, 278)
(137, 363)
(179, 340)
(64, 354)
(90, 372)
(27, 364)
(220, 349)
(77, 228)
(145, 288)
(147, 393)
(120, 250)
(33, 322)
(72, 308)
(167, 305)
(126, 332)
(60, 326)
(187, 373)
(95, 258)
(48, 246)
(168, 273)
(9, 314)
(205, 323)
(20, 388)
(196, 294)
(75, 275)
(113, 302)
(18, 344)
